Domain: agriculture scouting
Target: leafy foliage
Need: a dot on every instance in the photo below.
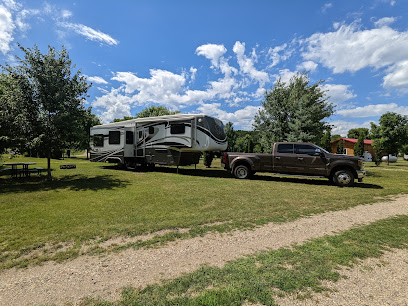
(50, 98)
(293, 112)
(355, 133)
(152, 111)
(340, 147)
(359, 146)
(392, 133)
(325, 143)
(231, 136)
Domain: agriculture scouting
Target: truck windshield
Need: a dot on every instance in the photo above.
(216, 127)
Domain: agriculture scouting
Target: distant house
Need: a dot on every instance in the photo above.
(348, 146)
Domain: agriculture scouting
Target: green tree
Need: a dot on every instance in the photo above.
(335, 137)
(340, 147)
(245, 143)
(231, 136)
(55, 94)
(355, 133)
(359, 146)
(325, 143)
(392, 132)
(378, 151)
(293, 112)
(154, 111)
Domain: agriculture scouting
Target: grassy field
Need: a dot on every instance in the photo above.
(260, 278)
(42, 220)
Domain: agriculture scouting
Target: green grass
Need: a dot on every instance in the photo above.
(260, 278)
(42, 220)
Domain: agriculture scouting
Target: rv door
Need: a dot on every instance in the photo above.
(129, 143)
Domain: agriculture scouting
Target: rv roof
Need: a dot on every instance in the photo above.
(152, 119)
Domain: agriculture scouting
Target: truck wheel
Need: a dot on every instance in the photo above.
(242, 172)
(343, 178)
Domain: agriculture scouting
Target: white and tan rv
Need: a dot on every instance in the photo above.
(166, 140)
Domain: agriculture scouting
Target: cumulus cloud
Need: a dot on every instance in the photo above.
(308, 66)
(397, 77)
(338, 93)
(342, 127)
(351, 49)
(247, 65)
(6, 29)
(212, 52)
(275, 55)
(96, 80)
(386, 21)
(373, 110)
(89, 33)
(243, 118)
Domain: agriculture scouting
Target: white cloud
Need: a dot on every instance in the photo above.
(326, 7)
(242, 118)
(308, 66)
(115, 104)
(386, 21)
(89, 33)
(285, 75)
(373, 110)
(6, 29)
(212, 52)
(65, 14)
(193, 72)
(342, 127)
(351, 49)
(22, 16)
(397, 77)
(338, 93)
(96, 80)
(12, 5)
(276, 57)
(247, 66)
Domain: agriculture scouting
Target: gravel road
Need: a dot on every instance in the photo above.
(95, 276)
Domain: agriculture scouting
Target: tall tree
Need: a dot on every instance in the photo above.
(335, 137)
(293, 112)
(359, 146)
(355, 133)
(154, 111)
(340, 147)
(231, 136)
(392, 132)
(325, 143)
(56, 96)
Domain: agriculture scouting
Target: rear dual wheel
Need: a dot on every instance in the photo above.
(242, 172)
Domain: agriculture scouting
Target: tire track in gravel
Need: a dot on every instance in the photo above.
(104, 277)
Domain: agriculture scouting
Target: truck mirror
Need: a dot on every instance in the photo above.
(317, 152)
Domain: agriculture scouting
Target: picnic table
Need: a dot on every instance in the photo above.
(24, 171)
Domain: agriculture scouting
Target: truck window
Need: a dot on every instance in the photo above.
(129, 137)
(304, 149)
(114, 137)
(285, 148)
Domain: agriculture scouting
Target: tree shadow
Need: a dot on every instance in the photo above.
(77, 182)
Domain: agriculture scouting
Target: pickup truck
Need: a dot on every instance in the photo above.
(295, 158)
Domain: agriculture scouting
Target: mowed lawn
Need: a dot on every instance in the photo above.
(99, 201)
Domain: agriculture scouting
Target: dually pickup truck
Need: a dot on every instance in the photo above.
(294, 158)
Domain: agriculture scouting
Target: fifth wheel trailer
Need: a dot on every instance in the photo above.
(166, 140)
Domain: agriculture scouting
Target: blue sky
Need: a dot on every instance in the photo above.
(218, 57)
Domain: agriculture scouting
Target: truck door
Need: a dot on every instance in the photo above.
(308, 163)
(284, 159)
(140, 141)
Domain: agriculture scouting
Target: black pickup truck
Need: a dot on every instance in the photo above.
(295, 158)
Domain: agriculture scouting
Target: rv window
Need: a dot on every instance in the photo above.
(177, 129)
(151, 130)
(114, 137)
(129, 137)
(98, 140)
(285, 148)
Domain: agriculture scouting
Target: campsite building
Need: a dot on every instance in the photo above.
(348, 146)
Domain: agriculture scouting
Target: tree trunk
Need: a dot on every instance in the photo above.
(49, 178)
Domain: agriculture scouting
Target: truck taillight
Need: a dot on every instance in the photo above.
(224, 158)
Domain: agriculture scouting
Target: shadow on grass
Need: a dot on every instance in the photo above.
(76, 182)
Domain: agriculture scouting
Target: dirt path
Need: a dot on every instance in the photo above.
(379, 281)
(94, 276)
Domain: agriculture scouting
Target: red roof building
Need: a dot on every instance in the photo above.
(348, 146)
